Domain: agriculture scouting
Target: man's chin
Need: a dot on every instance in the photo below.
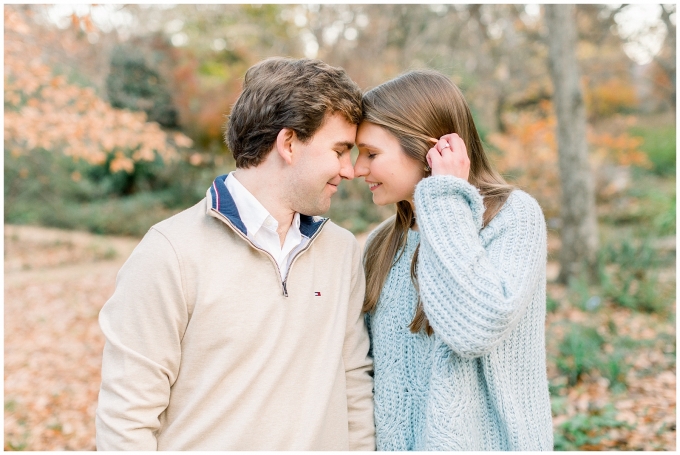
(323, 210)
(316, 209)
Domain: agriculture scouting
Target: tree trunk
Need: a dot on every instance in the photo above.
(579, 221)
(668, 64)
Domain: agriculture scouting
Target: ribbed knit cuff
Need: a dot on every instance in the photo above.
(447, 186)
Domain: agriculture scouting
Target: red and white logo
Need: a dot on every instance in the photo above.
(317, 294)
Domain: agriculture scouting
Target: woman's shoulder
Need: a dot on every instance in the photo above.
(378, 229)
(520, 220)
(520, 206)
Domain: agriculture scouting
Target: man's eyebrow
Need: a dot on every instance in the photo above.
(364, 145)
(346, 144)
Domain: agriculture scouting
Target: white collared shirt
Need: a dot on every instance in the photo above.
(261, 226)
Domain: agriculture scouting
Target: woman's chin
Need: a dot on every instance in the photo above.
(380, 201)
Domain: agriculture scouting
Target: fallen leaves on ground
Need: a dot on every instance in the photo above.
(55, 284)
(57, 281)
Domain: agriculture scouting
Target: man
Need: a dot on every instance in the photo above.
(236, 324)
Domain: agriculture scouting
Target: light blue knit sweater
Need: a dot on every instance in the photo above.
(480, 382)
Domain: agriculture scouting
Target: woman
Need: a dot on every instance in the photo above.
(455, 282)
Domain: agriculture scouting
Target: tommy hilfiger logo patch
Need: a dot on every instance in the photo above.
(317, 294)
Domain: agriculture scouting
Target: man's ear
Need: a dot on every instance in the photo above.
(284, 144)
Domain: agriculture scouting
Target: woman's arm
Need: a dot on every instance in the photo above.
(472, 296)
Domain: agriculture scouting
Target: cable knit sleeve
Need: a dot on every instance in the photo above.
(474, 291)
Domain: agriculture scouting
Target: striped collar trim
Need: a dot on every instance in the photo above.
(222, 201)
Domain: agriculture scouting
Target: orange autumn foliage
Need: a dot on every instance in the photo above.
(529, 153)
(621, 149)
(609, 97)
(44, 110)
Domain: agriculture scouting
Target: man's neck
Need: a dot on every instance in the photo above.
(263, 185)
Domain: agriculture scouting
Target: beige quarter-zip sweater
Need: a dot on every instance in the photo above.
(207, 349)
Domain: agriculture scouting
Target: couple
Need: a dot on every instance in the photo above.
(247, 323)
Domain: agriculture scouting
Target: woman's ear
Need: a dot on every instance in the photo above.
(284, 144)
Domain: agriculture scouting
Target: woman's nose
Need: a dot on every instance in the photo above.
(360, 168)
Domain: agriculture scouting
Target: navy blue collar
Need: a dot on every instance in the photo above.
(224, 203)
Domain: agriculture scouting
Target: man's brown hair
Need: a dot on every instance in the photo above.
(287, 93)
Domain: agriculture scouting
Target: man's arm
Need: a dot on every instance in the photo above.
(358, 365)
(143, 323)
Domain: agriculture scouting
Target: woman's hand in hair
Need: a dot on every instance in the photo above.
(449, 157)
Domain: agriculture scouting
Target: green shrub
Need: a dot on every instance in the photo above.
(648, 207)
(659, 145)
(655, 211)
(579, 352)
(581, 294)
(551, 305)
(47, 188)
(558, 404)
(632, 281)
(614, 368)
(664, 220)
(135, 83)
(586, 431)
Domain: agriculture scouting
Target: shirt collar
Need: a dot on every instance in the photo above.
(253, 214)
(220, 201)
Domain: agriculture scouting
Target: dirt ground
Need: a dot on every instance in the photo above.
(57, 281)
(55, 284)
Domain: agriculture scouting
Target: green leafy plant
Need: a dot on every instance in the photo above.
(133, 83)
(578, 352)
(659, 145)
(627, 274)
(50, 189)
(614, 368)
(581, 294)
(655, 209)
(586, 431)
(551, 305)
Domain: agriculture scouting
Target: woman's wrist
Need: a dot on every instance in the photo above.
(440, 194)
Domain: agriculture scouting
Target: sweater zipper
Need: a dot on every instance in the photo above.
(278, 269)
(292, 261)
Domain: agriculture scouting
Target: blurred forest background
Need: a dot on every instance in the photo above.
(114, 118)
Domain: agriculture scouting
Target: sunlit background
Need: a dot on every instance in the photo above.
(114, 117)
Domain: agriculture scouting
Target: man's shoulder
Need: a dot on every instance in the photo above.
(337, 233)
(188, 221)
(189, 228)
(336, 241)
(192, 235)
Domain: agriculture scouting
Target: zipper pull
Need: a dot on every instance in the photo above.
(285, 291)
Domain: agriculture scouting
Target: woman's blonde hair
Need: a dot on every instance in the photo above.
(415, 107)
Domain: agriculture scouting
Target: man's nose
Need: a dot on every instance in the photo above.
(346, 169)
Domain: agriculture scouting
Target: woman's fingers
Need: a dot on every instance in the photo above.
(452, 157)
(456, 142)
(434, 159)
(443, 144)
